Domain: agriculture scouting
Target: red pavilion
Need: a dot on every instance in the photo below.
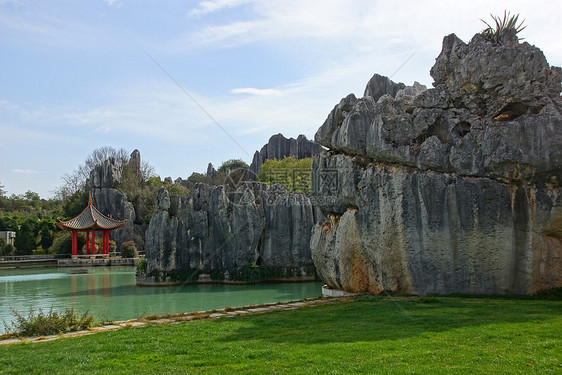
(90, 221)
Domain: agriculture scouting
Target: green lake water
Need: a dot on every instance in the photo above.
(110, 292)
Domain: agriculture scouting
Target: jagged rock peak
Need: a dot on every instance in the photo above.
(163, 198)
(106, 175)
(135, 162)
(211, 172)
(380, 85)
(459, 126)
(279, 147)
(491, 79)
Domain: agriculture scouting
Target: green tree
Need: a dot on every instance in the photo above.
(25, 239)
(75, 204)
(10, 222)
(76, 181)
(233, 164)
(3, 246)
(289, 171)
(195, 178)
(232, 173)
(47, 237)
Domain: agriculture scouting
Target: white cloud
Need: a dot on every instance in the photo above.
(210, 6)
(255, 91)
(360, 26)
(26, 171)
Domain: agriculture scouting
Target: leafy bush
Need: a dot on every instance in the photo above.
(112, 246)
(62, 243)
(141, 266)
(291, 172)
(129, 249)
(51, 323)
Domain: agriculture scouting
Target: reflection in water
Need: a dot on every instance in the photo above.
(111, 293)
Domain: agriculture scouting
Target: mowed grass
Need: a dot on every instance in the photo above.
(363, 336)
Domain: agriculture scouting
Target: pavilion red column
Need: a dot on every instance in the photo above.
(87, 242)
(93, 242)
(74, 242)
(106, 242)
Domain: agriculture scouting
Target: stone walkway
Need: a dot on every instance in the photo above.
(178, 318)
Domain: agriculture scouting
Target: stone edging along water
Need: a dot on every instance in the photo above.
(227, 312)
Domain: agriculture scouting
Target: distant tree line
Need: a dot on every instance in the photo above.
(33, 219)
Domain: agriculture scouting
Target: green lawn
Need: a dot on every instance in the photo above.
(366, 335)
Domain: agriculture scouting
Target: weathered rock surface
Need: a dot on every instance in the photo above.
(106, 175)
(380, 85)
(113, 203)
(104, 180)
(215, 227)
(455, 189)
(279, 147)
(211, 171)
(135, 162)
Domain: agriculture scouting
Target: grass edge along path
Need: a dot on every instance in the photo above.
(226, 312)
(365, 334)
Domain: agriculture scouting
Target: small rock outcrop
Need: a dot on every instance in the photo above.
(279, 147)
(219, 228)
(211, 171)
(380, 85)
(453, 189)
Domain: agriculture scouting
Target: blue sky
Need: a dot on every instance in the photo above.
(76, 75)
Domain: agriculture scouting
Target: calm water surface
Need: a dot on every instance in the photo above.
(110, 292)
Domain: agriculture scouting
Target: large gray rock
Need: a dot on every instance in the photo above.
(279, 147)
(106, 175)
(454, 189)
(215, 227)
(104, 180)
(481, 119)
(113, 203)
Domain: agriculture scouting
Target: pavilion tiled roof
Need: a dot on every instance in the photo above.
(90, 218)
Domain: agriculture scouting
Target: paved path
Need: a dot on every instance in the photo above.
(178, 318)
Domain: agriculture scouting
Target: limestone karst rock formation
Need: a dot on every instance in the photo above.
(453, 189)
(279, 147)
(104, 180)
(217, 227)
